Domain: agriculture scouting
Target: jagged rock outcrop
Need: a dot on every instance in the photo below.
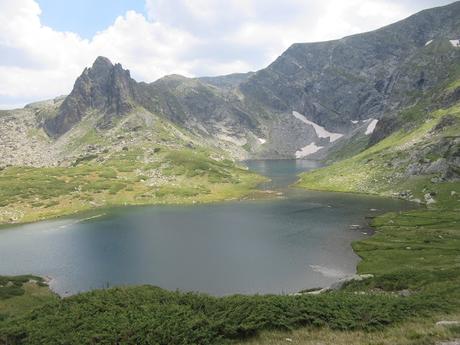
(104, 87)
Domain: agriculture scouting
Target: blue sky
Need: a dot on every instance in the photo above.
(85, 17)
(45, 44)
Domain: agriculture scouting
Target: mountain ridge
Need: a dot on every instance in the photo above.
(339, 85)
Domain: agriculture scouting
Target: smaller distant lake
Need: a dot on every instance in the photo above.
(284, 245)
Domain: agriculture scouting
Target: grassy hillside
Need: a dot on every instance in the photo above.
(384, 168)
(140, 159)
(133, 176)
(20, 294)
(149, 315)
(421, 331)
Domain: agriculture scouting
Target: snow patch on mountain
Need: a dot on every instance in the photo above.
(371, 126)
(428, 43)
(307, 150)
(321, 132)
(455, 43)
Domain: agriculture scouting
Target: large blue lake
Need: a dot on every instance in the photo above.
(292, 242)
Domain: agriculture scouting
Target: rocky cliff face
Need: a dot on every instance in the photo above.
(104, 87)
(358, 77)
(316, 98)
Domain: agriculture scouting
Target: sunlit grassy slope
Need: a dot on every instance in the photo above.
(140, 158)
(135, 176)
(381, 169)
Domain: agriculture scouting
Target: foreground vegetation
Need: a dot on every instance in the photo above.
(420, 331)
(20, 294)
(149, 315)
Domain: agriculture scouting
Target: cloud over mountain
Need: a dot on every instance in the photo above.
(199, 37)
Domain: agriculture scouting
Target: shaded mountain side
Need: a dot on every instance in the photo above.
(103, 87)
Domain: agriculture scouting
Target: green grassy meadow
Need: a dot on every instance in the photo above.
(134, 177)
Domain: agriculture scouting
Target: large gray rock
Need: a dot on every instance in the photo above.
(104, 87)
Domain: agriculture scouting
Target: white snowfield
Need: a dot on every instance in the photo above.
(321, 132)
(262, 141)
(354, 122)
(371, 126)
(455, 43)
(307, 150)
(428, 43)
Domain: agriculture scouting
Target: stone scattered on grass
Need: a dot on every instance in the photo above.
(447, 323)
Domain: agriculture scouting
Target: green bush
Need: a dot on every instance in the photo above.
(150, 315)
(12, 286)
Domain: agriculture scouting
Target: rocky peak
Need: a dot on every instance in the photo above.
(104, 87)
(102, 64)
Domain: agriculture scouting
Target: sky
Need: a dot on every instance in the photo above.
(46, 44)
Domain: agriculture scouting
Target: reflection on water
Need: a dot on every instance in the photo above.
(271, 246)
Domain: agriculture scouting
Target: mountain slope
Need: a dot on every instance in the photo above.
(419, 157)
(356, 78)
(337, 85)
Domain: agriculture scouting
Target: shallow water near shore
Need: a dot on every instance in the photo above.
(294, 241)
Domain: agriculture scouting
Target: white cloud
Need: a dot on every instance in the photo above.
(189, 37)
(37, 62)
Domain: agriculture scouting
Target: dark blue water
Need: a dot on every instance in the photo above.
(269, 246)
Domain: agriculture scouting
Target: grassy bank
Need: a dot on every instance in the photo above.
(414, 253)
(421, 331)
(134, 177)
(20, 294)
(149, 315)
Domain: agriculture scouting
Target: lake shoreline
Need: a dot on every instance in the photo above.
(250, 192)
(278, 190)
(365, 229)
